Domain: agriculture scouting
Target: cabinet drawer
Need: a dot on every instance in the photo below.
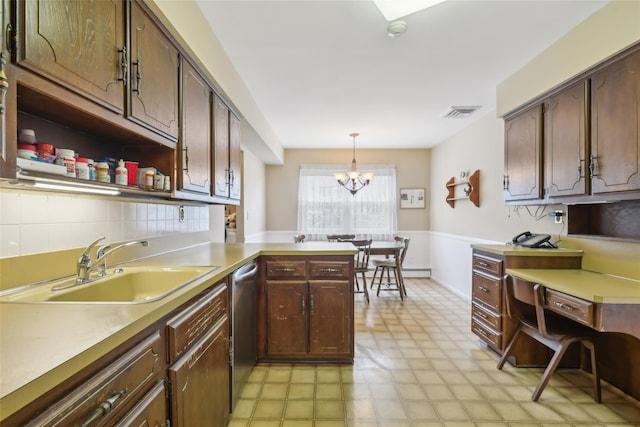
(119, 386)
(570, 306)
(488, 335)
(286, 268)
(328, 269)
(151, 410)
(490, 318)
(488, 265)
(487, 291)
(189, 325)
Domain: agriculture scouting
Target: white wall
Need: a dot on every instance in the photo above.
(253, 209)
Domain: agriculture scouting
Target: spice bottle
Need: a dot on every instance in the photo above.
(149, 176)
(121, 173)
(102, 172)
(82, 168)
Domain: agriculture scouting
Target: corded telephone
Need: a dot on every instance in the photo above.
(530, 240)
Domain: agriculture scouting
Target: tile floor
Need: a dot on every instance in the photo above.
(417, 364)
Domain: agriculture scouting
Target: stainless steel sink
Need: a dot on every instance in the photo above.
(129, 285)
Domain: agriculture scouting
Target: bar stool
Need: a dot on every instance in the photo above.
(525, 303)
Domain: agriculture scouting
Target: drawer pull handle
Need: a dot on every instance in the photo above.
(564, 306)
(481, 332)
(104, 408)
(483, 289)
(303, 305)
(329, 270)
(482, 264)
(284, 270)
(481, 314)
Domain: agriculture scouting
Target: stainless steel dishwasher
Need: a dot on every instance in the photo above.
(244, 295)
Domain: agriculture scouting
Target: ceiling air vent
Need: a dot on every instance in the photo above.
(460, 112)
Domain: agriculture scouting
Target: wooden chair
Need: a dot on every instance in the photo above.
(389, 265)
(299, 238)
(361, 265)
(338, 237)
(525, 303)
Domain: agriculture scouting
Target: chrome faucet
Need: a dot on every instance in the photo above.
(104, 251)
(84, 263)
(86, 266)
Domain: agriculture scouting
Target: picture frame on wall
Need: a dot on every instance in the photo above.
(412, 198)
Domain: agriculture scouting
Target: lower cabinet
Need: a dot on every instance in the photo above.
(489, 318)
(200, 381)
(114, 394)
(150, 411)
(307, 309)
(176, 374)
(198, 339)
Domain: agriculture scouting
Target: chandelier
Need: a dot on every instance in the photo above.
(353, 181)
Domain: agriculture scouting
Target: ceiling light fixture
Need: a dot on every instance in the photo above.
(353, 181)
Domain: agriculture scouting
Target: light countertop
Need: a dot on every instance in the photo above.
(41, 345)
(588, 285)
(513, 250)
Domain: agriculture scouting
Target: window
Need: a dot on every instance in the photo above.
(324, 207)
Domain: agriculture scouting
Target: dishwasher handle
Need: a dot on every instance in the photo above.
(245, 271)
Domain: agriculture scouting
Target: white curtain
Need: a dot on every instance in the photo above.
(324, 207)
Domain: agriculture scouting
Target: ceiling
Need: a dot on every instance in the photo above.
(319, 70)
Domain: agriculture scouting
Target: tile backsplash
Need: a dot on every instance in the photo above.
(35, 222)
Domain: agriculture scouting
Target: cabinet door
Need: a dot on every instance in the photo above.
(200, 381)
(153, 76)
(8, 101)
(565, 142)
(78, 44)
(151, 411)
(523, 155)
(221, 148)
(235, 159)
(330, 317)
(287, 309)
(615, 128)
(195, 141)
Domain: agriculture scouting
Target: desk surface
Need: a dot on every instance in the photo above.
(588, 285)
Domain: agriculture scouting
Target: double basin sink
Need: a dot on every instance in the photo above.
(121, 285)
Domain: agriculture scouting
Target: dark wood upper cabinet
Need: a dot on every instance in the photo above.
(221, 174)
(615, 126)
(523, 155)
(195, 139)
(153, 75)
(78, 44)
(565, 142)
(235, 161)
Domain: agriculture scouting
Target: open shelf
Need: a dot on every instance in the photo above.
(471, 189)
